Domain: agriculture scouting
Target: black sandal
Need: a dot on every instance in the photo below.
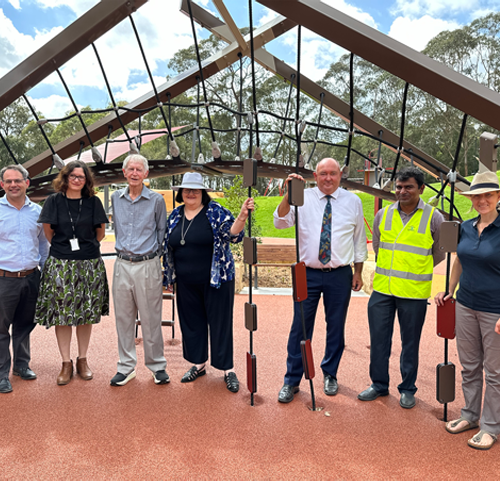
(193, 374)
(232, 381)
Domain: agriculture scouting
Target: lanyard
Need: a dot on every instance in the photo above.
(74, 224)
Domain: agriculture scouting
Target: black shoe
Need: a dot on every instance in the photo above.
(120, 379)
(407, 400)
(161, 377)
(24, 372)
(331, 386)
(5, 385)
(371, 394)
(232, 382)
(287, 392)
(193, 374)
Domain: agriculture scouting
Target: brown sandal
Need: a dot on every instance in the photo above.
(456, 422)
(475, 441)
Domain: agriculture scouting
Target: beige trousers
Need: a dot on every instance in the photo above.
(137, 287)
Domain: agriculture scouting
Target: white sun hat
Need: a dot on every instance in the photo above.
(192, 180)
(483, 182)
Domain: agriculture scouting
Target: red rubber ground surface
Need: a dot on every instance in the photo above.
(90, 430)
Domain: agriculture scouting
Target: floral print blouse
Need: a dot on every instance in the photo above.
(221, 221)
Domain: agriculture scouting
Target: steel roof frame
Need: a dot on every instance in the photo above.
(396, 58)
(174, 87)
(331, 101)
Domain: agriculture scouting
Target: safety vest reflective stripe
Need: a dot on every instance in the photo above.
(403, 275)
(427, 212)
(405, 248)
(404, 262)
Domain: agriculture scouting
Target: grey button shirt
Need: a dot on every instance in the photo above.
(140, 223)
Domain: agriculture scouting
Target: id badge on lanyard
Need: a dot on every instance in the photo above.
(75, 245)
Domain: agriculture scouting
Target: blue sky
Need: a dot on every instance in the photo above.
(26, 24)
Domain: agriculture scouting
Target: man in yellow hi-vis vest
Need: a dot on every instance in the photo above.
(406, 245)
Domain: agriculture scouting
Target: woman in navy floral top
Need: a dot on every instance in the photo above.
(198, 259)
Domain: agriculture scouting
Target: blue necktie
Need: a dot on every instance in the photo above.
(325, 240)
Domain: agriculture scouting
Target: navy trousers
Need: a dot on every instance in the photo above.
(17, 308)
(336, 289)
(411, 316)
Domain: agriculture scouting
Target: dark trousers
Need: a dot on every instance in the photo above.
(336, 289)
(203, 311)
(411, 316)
(17, 308)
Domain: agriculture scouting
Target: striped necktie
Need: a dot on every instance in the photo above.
(325, 240)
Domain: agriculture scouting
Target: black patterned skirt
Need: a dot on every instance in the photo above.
(72, 293)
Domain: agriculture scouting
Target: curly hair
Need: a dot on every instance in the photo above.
(60, 183)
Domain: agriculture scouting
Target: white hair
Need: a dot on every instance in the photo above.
(136, 158)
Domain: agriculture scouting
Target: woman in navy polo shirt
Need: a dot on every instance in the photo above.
(477, 267)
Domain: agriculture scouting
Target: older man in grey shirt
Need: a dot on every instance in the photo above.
(140, 218)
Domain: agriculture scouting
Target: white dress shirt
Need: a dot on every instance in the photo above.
(348, 227)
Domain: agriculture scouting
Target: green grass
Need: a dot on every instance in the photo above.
(267, 205)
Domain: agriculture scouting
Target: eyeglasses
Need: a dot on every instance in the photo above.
(79, 178)
(192, 191)
(14, 181)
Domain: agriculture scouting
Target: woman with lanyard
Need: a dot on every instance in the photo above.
(198, 258)
(477, 268)
(74, 289)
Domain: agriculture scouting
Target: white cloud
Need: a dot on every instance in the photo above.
(416, 33)
(15, 4)
(417, 8)
(352, 11)
(16, 46)
(316, 53)
(136, 90)
(267, 17)
(52, 107)
(78, 6)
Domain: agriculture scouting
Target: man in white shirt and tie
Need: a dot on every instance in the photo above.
(332, 240)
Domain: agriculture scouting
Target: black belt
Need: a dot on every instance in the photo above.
(326, 269)
(16, 274)
(145, 257)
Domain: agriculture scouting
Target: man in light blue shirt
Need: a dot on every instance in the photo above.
(23, 249)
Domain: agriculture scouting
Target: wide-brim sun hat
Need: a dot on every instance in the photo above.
(192, 180)
(482, 183)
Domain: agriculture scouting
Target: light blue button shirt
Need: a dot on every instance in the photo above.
(23, 245)
(140, 223)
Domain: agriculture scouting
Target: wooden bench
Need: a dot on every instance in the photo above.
(274, 255)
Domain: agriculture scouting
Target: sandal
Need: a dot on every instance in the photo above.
(475, 441)
(452, 424)
(193, 374)
(232, 382)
